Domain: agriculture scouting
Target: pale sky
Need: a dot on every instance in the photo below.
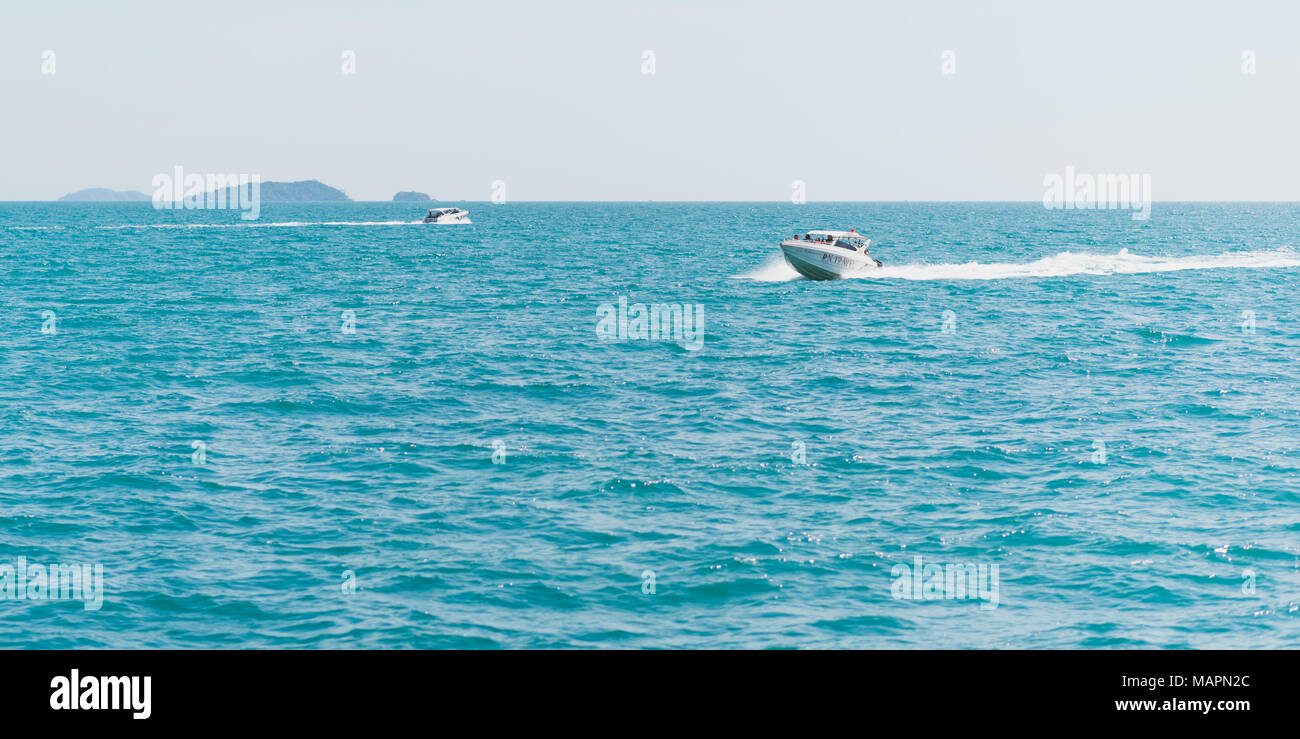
(847, 96)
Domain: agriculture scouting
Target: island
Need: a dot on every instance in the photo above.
(303, 191)
(104, 195)
(411, 196)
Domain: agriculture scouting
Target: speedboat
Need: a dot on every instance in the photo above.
(447, 215)
(829, 255)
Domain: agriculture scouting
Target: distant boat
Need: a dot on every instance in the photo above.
(829, 255)
(447, 215)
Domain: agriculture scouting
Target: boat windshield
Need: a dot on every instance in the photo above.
(845, 241)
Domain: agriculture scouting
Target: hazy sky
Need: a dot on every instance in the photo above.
(550, 97)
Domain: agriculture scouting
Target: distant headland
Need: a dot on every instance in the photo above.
(104, 195)
(270, 192)
(302, 191)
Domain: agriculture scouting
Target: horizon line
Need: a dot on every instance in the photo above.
(489, 202)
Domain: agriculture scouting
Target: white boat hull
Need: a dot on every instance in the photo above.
(825, 262)
(449, 218)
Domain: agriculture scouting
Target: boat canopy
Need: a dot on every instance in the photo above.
(837, 234)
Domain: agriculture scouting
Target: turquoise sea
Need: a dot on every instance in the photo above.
(334, 427)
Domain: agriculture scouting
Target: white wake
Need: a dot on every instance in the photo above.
(254, 224)
(1060, 265)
